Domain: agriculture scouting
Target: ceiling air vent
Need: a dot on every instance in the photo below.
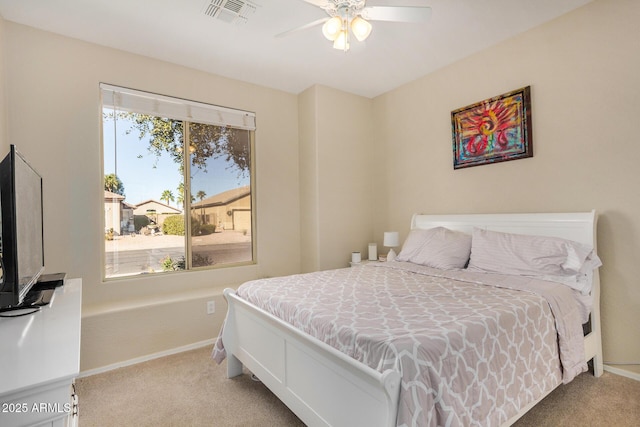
(231, 11)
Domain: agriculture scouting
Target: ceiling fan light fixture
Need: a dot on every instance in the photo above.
(342, 41)
(361, 28)
(332, 28)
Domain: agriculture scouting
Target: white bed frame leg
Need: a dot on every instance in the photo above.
(593, 344)
(593, 341)
(234, 366)
(598, 366)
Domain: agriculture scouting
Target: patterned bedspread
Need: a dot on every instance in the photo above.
(472, 348)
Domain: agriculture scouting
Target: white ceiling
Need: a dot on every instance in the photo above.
(395, 53)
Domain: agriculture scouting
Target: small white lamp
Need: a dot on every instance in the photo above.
(391, 240)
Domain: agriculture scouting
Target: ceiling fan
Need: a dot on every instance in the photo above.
(346, 17)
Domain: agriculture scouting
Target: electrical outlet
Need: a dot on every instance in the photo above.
(211, 307)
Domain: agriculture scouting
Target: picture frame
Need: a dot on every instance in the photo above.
(495, 130)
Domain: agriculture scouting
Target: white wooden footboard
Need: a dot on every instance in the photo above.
(321, 385)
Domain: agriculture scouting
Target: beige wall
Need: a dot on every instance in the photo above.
(334, 171)
(308, 152)
(583, 71)
(336, 165)
(55, 121)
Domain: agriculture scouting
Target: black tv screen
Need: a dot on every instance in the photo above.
(22, 228)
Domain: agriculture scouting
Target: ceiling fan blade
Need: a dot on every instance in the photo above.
(319, 3)
(304, 27)
(397, 13)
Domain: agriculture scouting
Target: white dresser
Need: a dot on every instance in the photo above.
(39, 360)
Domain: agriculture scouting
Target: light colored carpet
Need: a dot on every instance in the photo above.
(190, 389)
(186, 389)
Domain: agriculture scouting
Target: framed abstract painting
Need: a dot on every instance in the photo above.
(494, 130)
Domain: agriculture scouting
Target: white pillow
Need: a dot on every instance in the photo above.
(436, 247)
(548, 258)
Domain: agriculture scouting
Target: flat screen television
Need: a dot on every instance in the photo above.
(22, 240)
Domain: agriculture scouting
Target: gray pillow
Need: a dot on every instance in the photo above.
(437, 247)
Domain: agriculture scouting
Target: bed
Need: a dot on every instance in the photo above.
(507, 341)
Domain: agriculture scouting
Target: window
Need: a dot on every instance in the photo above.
(178, 192)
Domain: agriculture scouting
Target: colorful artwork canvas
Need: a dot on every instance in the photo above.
(494, 130)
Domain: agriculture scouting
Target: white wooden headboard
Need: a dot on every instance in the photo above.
(579, 226)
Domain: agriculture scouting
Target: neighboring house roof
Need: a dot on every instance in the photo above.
(128, 205)
(108, 195)
(223, 198)
(169, 209)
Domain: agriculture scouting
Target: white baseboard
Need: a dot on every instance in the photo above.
(622, 372)
(146, 358)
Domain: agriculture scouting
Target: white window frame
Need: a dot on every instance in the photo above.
(136, 101)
